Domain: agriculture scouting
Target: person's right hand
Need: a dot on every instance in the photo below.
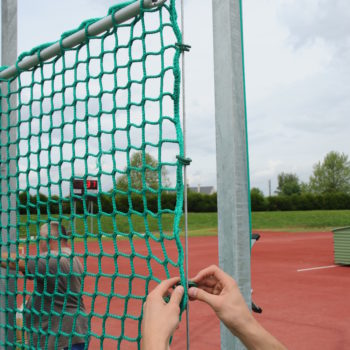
(220, 291)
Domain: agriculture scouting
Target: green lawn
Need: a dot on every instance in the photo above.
(318, 220)
(200, 224)
(314, 220)
(204, 224)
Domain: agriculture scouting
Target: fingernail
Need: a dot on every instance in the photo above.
(180, 289)
(192, 292)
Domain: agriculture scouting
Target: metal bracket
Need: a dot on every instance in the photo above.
(183, 47)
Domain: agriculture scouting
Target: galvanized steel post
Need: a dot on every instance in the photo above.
(231, 152)
(8, 171)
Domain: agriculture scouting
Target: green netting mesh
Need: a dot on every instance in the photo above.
(106, 110)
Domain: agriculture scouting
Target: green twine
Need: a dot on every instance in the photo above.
(83, 114)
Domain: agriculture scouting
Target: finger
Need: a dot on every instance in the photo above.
(163, 287)
(200, 294)
(207, 282)
(209, 290)
(176, 295)
(211, 271)
(205, 273)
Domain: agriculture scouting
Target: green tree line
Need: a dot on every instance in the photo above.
(197, 203)
(332, 175)
(328, 188)
(112, 204)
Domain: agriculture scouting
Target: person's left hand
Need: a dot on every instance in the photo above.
(160, 319)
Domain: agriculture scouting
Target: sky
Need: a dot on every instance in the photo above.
(297, 79)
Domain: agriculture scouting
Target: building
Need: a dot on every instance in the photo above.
(202, 189)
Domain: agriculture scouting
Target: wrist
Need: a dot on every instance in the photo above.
(244, 325)
(255, 337)
(154, 342)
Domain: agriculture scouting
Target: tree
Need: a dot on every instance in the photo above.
(257, 199)
(332, 175)
(304, 188)
(288, 184)
(140, 165)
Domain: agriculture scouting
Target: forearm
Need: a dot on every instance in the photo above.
(255, 337)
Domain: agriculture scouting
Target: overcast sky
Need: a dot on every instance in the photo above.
(297, 56)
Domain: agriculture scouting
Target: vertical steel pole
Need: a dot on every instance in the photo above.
(75, 217)
(184, 130)
(231, 152)
(8, 165)
(92, 217)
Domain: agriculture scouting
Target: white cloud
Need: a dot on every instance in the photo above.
(296, 88)
(296, 55)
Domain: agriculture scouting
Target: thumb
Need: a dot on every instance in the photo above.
(201, 295)
(176, 295)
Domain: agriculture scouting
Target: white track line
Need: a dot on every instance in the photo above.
(317, 268)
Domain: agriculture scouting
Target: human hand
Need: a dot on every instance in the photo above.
(220, 291)
(160, 319)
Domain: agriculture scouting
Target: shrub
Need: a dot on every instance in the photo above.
(283, 203)
(257, 200)
(201, 203)
(197, 202)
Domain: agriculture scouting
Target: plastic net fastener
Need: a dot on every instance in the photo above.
(183, 47)
(190, 285)
(184, 161)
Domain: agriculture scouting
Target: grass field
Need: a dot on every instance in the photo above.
(291, 221)
(205, 224)
(314, 220)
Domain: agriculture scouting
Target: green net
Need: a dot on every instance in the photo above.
(91, 143)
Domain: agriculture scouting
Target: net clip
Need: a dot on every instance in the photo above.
(184, 161)
(189, 285)
(183, 47)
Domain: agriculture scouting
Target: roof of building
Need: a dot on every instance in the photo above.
(202, 189)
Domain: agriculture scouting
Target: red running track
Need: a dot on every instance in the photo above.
(308, 309)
